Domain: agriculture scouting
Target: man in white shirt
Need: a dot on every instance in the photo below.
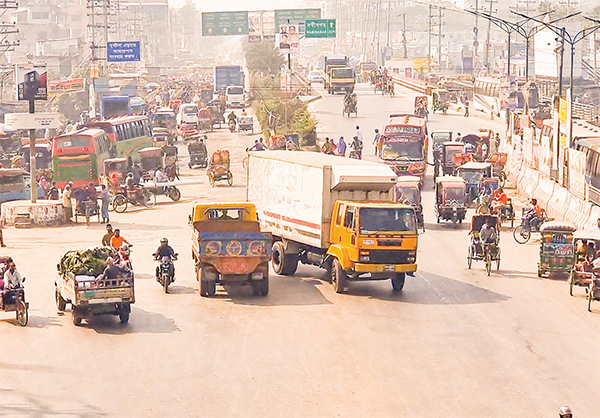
(12, 278)
(359, 133)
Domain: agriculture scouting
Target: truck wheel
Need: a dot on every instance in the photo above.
(283, 264)
(256, 287)
(207, 287)
(398, 282)
(203, 288)
(77, 317)
(338, 277)
(61, 304)
(124, 316)
(264, 286)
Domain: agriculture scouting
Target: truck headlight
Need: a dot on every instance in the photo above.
(213, 247)
(412, 257)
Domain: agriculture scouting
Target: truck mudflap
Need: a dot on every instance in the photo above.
(235, 252)
(384, 268)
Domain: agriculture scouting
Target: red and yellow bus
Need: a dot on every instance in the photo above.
(404, 145)
(79, 157)
(129, 134)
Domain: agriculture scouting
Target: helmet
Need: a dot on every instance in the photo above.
(164, 241)
(565, 412)
(130, 175)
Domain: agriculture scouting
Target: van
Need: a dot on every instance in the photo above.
(188, 114)
(235, 96)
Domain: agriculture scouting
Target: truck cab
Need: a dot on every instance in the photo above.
(374, 238)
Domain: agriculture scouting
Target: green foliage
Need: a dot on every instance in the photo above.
(263, 59)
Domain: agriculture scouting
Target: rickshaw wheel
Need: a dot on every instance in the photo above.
(22, 313)
(175, 195)
(498, 258)
(571, 278)
(470, 256)
(211, 179)
(230, 178)
(521, 235)
(590, 297)
(119, 203)
(149, 199)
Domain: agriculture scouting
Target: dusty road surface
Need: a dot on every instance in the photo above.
(453, 343)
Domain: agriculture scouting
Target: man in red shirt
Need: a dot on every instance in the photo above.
(499, 200)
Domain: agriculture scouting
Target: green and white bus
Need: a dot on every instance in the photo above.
(129, 134)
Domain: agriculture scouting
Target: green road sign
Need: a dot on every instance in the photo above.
(320, 28)
(295, 16)
(224, 23)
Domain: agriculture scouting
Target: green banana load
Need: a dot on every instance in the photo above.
(89, 262)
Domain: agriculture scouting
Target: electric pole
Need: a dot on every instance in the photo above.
(489, 29)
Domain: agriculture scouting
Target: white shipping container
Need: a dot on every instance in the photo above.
(294, 191)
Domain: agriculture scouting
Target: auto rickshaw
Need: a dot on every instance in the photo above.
(216, 115)
(160, 137)
(421, 106)
(484, 251)
(115, 170)
(150, 159)
(449, 151)
(581, 274)
(13, 300)
(450, 197)
(408, 191)
(440, 99)
(438, 137)
(197, 152)
(218, 168)
(204, 120)
(472, 173)
(43, 156)
(557, 252)
(498, 161)
(245, 123)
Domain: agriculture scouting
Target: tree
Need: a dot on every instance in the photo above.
(263, 59)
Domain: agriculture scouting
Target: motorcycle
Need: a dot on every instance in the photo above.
(356, 154)
(124, 256)
(232, 125)
(165, 271)
(140, 197)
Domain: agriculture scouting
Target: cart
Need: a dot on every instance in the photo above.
(480, 251)
(557, 252)
(218, 168)
(246, 123)
(204, 120)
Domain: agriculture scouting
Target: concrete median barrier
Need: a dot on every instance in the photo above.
(23, 213)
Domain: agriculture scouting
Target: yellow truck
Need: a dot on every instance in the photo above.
(334, 213)
(340, 79)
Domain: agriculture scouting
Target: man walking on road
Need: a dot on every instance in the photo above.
(466, 108)
(67, 204)
(376, 140)
(359, 133)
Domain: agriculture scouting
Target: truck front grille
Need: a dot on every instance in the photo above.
(388, 257)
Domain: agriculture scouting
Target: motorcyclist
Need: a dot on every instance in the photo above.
(165, 250)
(258, 146)
(232, 117)
(133, 188)
(534, 214)
(565, 412)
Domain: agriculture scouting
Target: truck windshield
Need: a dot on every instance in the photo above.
(345, 73)
(235, 90)
(410, 194)
(373, 220)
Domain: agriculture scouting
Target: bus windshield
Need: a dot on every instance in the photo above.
(394, 150)
(74, 141)
(372, 220)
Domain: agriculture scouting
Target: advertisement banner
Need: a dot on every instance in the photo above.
(562, 110)
(576, 172)
(288, 38)
(72, 85)
(31, 81)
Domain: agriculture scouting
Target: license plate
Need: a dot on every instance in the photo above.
(107, 300)
(389, 268)
(257, 276)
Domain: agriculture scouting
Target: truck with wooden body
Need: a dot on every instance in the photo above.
(335, 213)
(228, 247)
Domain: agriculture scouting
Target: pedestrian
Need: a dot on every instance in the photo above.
(466, 108)
(359, 133)
(376, 140)
(341, 147)
(67, 203)
(458, 137)
(1, 233)
(328, 146)
(137, 172)
(53, 192)
(109, 234)
(105, 198)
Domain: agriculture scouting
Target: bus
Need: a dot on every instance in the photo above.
(128, 134)
(115, 106)
(404, 145)
(79, 157)
(591, 147)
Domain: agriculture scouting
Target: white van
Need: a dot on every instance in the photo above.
(235, 96)
(188, 114)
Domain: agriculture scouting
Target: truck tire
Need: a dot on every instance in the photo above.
(283, 264)
(124, 315)
(256, 287)
(264, 286)
(398, 282)
(61, 304)
(207, 287)
(338, 277)
(77, 317)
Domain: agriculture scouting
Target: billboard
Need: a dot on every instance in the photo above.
(288, 38)
(123, 51)
(545, 56)
(31, 81)
(225, 23)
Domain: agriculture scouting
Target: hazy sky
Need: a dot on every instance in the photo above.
(215, 6)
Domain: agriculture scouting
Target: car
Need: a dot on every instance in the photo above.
(315, 77)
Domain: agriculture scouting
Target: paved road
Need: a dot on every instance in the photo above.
(454, 343)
